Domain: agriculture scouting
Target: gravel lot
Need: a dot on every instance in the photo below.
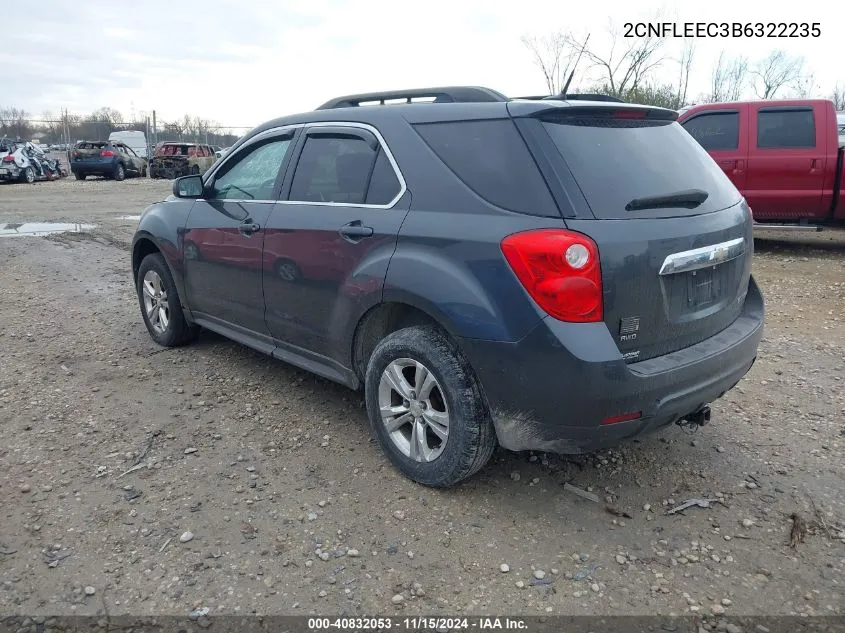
(260, 490)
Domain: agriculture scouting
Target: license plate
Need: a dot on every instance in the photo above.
(704, 287)
(3, 171)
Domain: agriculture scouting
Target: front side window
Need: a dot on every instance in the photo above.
(715, 131)
(252, 175)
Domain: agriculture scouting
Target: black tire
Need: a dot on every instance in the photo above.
(178, 330)
(79, 176)
(28, 175)
(471, 437)
(195, 170)
(143, 171)
(119, 172)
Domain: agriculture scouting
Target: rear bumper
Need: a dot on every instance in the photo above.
(168, 171)
(552, 390)
(101, 168)
(10, 173)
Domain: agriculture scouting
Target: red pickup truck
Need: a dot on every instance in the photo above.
(784, 156)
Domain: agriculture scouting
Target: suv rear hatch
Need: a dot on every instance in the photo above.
(88, 152)
(674, 234)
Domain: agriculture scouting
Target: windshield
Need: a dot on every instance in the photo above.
(643, 159)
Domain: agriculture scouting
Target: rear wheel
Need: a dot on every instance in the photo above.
(79, 176)
(160, 304)
(28, 175)
(119, 172)
(426, 408)
(195, 170)
(143, 171)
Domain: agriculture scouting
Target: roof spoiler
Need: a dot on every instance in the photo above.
(587, 96)
(449, 94)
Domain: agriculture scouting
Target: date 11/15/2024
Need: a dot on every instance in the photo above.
(723, 29)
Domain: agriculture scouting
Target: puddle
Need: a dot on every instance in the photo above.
(134, 218)
(29, 229)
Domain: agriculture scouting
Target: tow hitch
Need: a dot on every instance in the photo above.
(691, 422)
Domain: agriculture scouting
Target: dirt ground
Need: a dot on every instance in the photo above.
(293, 509)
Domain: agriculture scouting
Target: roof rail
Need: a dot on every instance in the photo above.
(449, 94)
(595, 96)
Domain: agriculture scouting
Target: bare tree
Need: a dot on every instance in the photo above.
(628, 69)
(775, 72)
(685, 64)
(805, 87)
(554, 55)
(13, 122)
(838, 98)
(728, 79)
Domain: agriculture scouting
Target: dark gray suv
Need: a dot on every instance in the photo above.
(551, 274)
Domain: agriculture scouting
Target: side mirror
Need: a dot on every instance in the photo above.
(188, 187)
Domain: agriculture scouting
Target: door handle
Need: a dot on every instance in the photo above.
(355, 231)
(248, 228)
(816, 164)
(727, 163)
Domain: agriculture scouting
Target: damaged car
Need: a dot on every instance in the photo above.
(173, 160)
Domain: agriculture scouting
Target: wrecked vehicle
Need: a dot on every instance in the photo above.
(26, 162)
(107, 159)
(173, 160)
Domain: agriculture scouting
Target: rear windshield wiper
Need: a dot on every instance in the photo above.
(688, 199)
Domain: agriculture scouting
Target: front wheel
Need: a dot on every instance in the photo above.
(426, 407)
(160, 304)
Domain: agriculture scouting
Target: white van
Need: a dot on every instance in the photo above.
(134, 139)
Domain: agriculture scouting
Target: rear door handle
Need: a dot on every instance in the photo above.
(816, 164)
(248, 228)
(727, 163)
(355, 231)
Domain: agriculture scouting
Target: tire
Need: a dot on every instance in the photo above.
(470, 438)
(79, 176)
(195, 170)
(119, 172)
(143, 171)
(28, 175)
(287, 270)
(176, 331)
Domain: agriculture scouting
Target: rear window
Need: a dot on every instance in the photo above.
(491, 158)
(615, 161)
(176, 150)
(91, 145)
(786, 128)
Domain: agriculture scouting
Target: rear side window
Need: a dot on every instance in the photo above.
(490, 158)
(786, 128)
(91, 145)
(618, 160)
(384, 185)
(716, 130)
(344, 169)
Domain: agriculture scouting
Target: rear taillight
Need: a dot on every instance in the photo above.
(560, 270)
(76, 154)
(107, 152)
(9, 159)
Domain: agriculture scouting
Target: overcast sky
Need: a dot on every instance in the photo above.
(240, 63)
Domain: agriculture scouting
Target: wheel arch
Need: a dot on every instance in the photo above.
(382, 320)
